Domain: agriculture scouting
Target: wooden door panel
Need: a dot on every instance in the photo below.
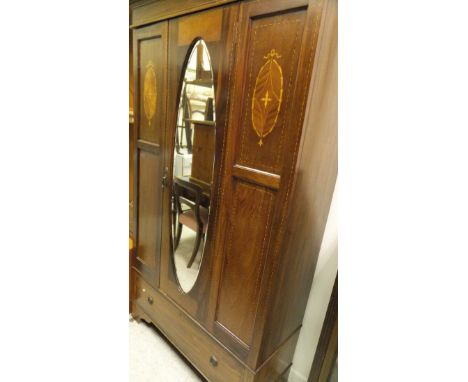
(263, 133)
(151, 59)
(149, 219)
(246, 248)
(313, 187)
(216, 28)
(271, 65)
(150, 69)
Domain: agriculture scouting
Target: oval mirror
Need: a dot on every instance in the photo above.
(194, 151)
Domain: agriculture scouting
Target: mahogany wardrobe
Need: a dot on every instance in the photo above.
(234, 155)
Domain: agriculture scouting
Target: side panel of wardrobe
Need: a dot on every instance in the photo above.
(150, 76)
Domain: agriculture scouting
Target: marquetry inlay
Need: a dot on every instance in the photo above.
(267, 96)
(149, 92)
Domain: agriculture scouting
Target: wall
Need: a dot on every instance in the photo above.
(322, 285)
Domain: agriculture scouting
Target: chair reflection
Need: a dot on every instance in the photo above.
(190, 209)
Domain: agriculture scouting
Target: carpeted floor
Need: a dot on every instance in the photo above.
(152, 359)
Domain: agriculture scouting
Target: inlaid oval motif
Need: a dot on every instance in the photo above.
(267, 96)
(149, 92)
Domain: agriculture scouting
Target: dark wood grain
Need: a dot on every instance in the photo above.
(149, 48)
(131, 142)
(183, 32)
(244, 257)
(287, 31)
(131, 178)
(131, 91)
(275, 74)
(149, 242)
(316, 172)
(130, 274)
(204, 141)
(197, 345)
(255, 176)
(131, 137)
(150, 147)
(145, 12)
(187, 336)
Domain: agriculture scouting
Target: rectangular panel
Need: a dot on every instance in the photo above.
(165, 9)
(150, 68)
(187, 29)
(203, 153)
(151, 63)
(246, 246)
(149, 212)
(274, 44)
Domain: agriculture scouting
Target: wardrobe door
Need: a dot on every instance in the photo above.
(272, 67)
(150, 75)
(214, 30)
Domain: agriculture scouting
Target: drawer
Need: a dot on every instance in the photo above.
(205, 353)
(144, 294)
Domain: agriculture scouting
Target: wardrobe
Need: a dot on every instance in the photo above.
(234, 146)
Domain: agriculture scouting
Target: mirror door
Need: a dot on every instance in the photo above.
(194, 149)
(200, 54)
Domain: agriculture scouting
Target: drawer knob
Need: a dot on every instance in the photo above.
(150, 300)
(213, 361)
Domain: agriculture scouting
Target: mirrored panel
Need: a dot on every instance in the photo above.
(194, 151)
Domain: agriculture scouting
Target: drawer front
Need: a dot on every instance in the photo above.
(208, 356)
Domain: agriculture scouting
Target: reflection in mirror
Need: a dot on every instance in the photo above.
(193, 165)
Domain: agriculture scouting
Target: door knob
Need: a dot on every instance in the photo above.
(164, 178)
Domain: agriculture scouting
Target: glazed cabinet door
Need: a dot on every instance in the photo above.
(273, 62)
(150, 74)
